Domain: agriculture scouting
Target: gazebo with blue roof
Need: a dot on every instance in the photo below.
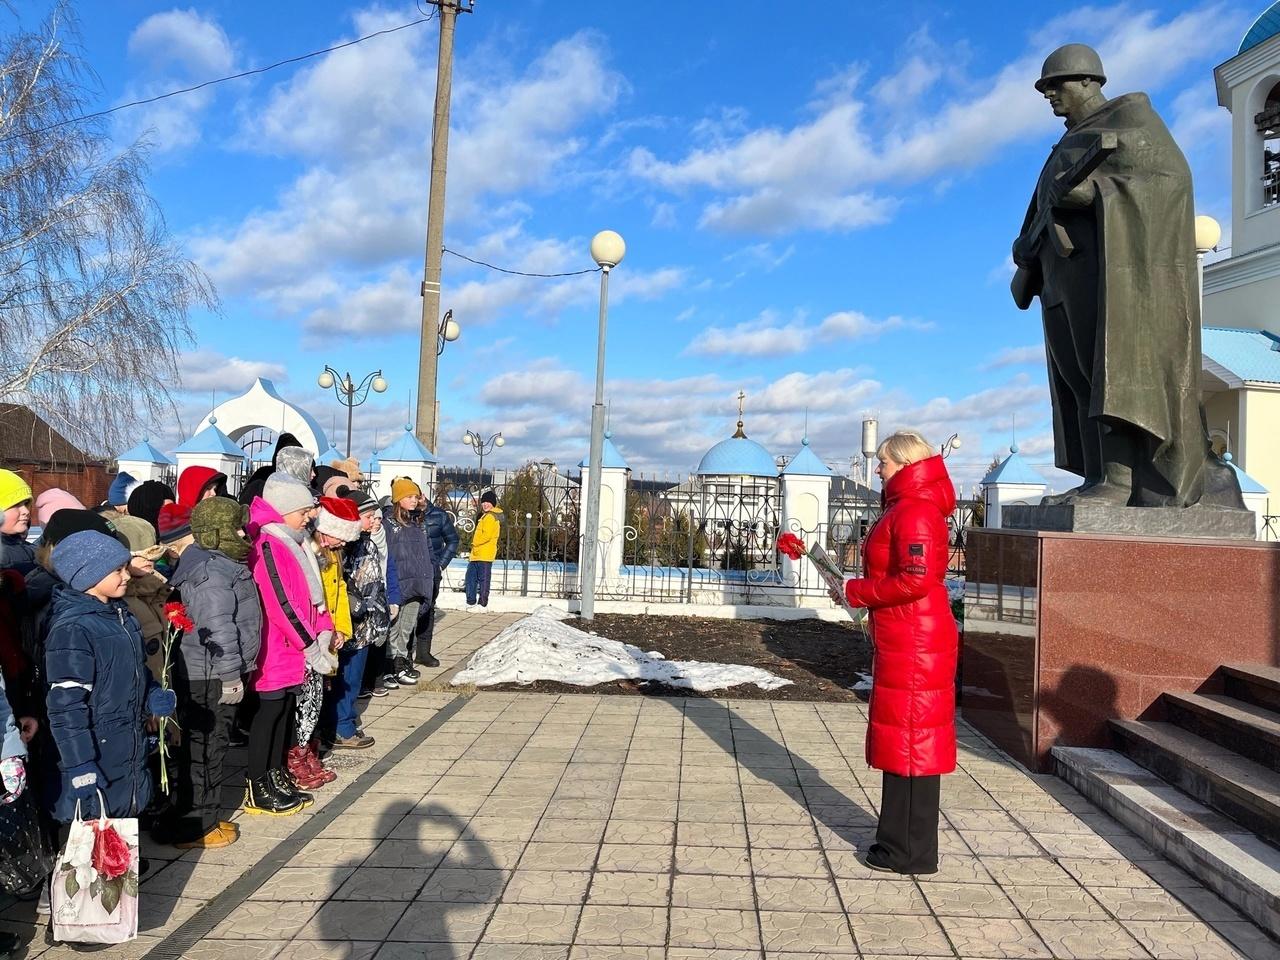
(806, 510)
(144, 462)
(210, 448)
(1013, 480)
(406, 457)
(737, 456)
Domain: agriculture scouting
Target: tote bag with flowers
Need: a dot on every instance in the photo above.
(94, 889)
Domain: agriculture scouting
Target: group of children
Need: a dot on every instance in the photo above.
(296, 601)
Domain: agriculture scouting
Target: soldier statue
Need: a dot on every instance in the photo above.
(1108, 245)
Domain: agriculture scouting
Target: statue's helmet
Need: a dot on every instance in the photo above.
(1075, 61)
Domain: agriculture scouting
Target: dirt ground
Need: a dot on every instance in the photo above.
(823, 660)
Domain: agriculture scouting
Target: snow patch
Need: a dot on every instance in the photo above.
(540, 647)
(864, 683)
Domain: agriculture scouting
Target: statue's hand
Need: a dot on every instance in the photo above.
(1023, 253)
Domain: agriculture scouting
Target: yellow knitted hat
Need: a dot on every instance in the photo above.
(402, 487)
(13, 490)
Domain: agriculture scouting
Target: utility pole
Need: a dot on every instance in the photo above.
(427, 416)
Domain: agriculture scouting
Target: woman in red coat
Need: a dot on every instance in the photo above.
(912, 733)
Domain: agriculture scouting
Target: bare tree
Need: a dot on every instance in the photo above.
(94, 292)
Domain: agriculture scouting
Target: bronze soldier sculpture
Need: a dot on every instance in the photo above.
(1108, 245)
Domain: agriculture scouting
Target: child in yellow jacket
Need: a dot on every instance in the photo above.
(484, 548)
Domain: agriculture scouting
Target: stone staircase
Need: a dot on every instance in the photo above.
(1202, 786)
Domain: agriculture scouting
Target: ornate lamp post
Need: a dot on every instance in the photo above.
(482, 446)
(349, 393)
(448, 331)
(950, 445)
(607, 249)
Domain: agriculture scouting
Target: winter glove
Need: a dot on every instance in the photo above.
(161, 702)
(319, 659)
(84, 782)
(232, 692)
(13, 775)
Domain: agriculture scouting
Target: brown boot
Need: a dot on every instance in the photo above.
(216, 837)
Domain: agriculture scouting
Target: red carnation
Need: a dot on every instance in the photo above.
(791, 545)
(111, 854)
(176, 614)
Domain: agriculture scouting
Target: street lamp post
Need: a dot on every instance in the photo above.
(482, 446)
(349, 393)
(1208, 234)
(951, 444)
(607, 249)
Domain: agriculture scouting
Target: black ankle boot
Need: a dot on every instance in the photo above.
(285, 786)
(261, 797)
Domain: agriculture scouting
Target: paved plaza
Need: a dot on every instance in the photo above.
(490, 826)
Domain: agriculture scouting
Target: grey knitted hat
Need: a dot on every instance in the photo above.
(286, 492)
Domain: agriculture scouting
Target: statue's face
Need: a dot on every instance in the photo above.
(1067, 96)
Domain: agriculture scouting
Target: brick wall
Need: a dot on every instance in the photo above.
(88, 484)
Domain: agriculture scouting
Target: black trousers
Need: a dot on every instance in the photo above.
(203, 750)
(908, 832)
(272, 731)
(425, 629)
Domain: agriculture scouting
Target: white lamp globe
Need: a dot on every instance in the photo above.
(325, 380)
(608, 248)
(379, 385)
(955, 444)
(451, 330)
(500, 441)
(466, 438)
(1208, 233)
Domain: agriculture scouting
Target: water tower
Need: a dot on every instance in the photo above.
(870, 441)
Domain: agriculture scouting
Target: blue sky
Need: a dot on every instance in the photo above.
(818, 204)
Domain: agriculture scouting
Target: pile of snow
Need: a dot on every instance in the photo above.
(863, 684)
(540, 647)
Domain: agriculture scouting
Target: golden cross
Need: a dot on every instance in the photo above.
(741, 398)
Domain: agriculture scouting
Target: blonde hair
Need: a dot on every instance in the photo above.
(905, 447)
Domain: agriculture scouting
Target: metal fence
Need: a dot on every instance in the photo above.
(695, 542)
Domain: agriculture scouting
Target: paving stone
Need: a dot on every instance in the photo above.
(1088, 940)
(570, 831)
(780, 836)
(264, 920)
(1144, 903)
(427, 922)
(457, 885)
(816, 894)
(699, 834)
(899, 936)
(726, 861)
(1042, 902)
(641, 857)
(302, 883)
(1027, 871)
(533, 923)
(878, 896)
(383, 883)
(987, 937)
(1180, 940)
(547, 886)
(968, 900)
(718, 929)
(796, 931)
(520, 951)
(352, 920)
(406, 853)
(710, 891)
(228, 950)
(789, 863)
(640, 831)
(598, 952)
(622, 926)
(629, 889)
(330, 853)
(559, 856)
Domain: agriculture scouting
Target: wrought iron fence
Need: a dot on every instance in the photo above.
(1270, 527)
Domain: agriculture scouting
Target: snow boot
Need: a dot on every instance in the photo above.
(261, 797)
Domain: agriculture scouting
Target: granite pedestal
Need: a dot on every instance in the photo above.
(1086, 516)
(1064, 631)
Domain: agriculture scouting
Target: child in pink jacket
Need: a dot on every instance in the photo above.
(296, 633)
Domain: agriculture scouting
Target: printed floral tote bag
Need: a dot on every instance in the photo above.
(94, 889)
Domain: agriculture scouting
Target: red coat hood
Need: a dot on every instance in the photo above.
(926, 480)
(192, 483)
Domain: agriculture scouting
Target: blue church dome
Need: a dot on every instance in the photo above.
(737, 457)
(1264, 28)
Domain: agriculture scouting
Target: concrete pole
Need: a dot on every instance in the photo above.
(428, 359)
(590, 539)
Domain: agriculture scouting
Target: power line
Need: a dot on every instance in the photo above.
(518, 273)
(210, 83)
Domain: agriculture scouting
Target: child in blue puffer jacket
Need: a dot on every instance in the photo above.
(100, 691)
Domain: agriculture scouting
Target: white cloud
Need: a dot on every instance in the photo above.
(831, 171)
(767, 335)
(206, 370)
(1016, 356)
(176, 48)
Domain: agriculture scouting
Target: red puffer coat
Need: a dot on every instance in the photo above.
(913, 729)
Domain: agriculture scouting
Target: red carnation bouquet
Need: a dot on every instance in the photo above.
(177, 622)
(793, 547)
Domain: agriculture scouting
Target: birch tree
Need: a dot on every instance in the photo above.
(95, 294)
